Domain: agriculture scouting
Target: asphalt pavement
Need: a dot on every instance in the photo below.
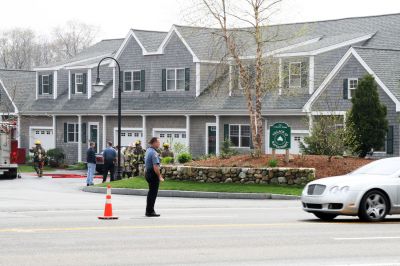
(53, 222)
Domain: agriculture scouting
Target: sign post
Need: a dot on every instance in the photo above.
(280, 139)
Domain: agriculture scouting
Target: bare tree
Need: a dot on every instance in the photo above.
(263, 77)
(72, 38)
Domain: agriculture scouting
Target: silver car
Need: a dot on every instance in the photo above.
(371, 192)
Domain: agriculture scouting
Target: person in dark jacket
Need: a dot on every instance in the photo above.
(109, 155)
(91, 163)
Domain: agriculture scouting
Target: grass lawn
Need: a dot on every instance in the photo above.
(30, 169)
(140, 183)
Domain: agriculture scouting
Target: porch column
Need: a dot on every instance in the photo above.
(217, 140)
(188, 131)
(310, 123)
(144, 130)
(104, 132)
(80, 138)
(311, 75)
(18, 130)
(54, 131)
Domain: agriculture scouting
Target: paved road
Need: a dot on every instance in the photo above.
(51, 222)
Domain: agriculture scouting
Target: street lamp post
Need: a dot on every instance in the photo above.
(98, 86)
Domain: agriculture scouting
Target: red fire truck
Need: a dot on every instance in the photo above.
(8, 150)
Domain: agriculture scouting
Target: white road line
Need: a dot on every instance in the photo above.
(373, 264)
(366, 238)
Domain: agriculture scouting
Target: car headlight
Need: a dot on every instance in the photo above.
(344, 189)
(334, 189)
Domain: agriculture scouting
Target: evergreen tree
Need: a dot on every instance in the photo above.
(367, 118)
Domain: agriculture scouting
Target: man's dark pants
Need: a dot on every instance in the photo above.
(154, 182)
(108, 167)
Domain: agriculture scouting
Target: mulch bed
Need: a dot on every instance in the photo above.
(324, 168)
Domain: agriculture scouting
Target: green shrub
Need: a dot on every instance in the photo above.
(55, 157)
(273, 163)
(167, 160)
(226, 150)
(184, 157)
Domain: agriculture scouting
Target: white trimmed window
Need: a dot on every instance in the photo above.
(132, 80)
(352, 86)
(45, 84)
(239, 135)
(78, 83)
(72, 132)
(175, 79)
(295, 74)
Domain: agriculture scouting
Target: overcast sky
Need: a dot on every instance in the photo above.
(115, 17)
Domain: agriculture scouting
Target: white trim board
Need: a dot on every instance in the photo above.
(330, 47)
(206, 142)
(337, 68)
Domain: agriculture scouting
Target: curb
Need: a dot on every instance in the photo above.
(192, 194)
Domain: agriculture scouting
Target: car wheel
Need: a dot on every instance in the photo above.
(325, 216)
(373, 206)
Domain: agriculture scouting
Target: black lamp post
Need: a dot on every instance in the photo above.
(98, 86)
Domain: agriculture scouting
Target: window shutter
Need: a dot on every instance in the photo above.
(65, 132)
(187, 79)
(51, 84)
(73, 83)
(164, 80)
(142, 80)
(304, 74)
(121, 81)
(226, 132)
(345, 89)
(83, 133)
(84, 76)
(285, 75)
(40, 85)
(389, 140)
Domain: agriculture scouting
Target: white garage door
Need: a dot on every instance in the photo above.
(128, 136)
(45, 135)
(171, 136)
(295, 147)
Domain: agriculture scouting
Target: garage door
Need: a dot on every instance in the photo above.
(45, 135)
(128, 136)
(171, 137)
(295, 141)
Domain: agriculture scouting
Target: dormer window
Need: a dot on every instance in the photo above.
(45, 84)
(133, 80)
(175, 79)
(295, 74)
(79, 88)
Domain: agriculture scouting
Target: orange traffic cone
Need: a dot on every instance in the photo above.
(108, 215)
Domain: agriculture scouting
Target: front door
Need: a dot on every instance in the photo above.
(211, 139)
(94, 135)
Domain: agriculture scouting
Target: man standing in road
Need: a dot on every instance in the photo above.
(109, 155)
(153, 175)
(39, 156)
(91, 164)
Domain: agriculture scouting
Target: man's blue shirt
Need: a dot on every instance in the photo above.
(151, 158)
(109, 154)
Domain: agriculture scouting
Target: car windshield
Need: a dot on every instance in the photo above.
(380, 167)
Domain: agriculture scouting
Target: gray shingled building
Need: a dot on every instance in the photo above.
(319, 65)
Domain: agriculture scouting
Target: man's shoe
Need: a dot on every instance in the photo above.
(87, 185)
(153, 214)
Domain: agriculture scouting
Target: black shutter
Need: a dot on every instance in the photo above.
(73, 83)
(187, 79)
(84, 76)
(40, 85)
(226, 131)
(164, 80)
(304, 74)
(121, 81)
(345, 89)
(84, 132)
(65, 132)
(389, 140)
(142, 80)
(285, 75)
(51, 84)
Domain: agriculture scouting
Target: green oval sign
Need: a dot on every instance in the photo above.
(279, 136)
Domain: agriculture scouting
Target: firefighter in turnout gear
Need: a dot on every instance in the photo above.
(166, 152)
(39, 156)
(138, 158)
(127, 155)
